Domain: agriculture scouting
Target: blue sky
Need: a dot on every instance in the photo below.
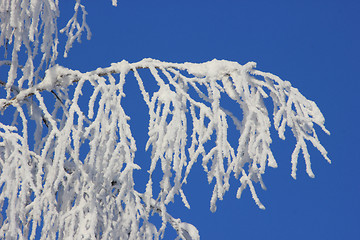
(311, 43)
(314, 44)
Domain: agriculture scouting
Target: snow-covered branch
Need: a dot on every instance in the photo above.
(29, 30)
(67, 152)
(91, 193)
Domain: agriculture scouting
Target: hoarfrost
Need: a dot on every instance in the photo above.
(95, 194)
(49, 182)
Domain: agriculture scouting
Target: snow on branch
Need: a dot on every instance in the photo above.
(29, 31)
(74, 174)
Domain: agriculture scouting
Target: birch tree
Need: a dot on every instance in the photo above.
(47, 182)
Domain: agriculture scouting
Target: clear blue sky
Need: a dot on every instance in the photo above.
(314, 44)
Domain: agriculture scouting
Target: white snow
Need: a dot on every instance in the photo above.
(84, 195)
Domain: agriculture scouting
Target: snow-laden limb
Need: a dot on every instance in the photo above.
(29, 32)
(73, 197)
(77, 179)
(292, 109)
